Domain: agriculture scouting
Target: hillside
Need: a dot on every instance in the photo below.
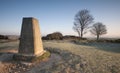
(68, 57)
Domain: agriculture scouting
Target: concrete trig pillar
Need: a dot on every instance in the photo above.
(30, 40)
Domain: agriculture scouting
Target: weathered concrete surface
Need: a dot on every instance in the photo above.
(30, 39)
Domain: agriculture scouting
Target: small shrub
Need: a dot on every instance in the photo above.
(53, 36)
(117, 41)
(3, 37)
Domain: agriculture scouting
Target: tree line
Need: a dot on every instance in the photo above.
(82, 21)
(59, 36)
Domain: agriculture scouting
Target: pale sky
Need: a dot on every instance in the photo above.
(58, 15)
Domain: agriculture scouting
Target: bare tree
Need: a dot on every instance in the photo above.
(82, 21)
(98, 29)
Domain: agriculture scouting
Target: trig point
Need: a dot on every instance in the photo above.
(30, 40)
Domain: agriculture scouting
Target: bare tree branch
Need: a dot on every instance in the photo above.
(98, 29)
(82, 21)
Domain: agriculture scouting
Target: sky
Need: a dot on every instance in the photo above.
(58, 15)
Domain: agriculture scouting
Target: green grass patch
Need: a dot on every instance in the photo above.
(20, 57)
(42, 57)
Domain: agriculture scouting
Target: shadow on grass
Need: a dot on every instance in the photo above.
(109, 47)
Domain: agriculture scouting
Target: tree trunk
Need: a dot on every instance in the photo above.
(81, 34)
(97, 37)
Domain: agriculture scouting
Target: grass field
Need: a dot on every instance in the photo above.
(99, 57)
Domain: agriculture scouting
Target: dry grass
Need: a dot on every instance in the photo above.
(9, 46)
(100, 57)
(99, 60)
